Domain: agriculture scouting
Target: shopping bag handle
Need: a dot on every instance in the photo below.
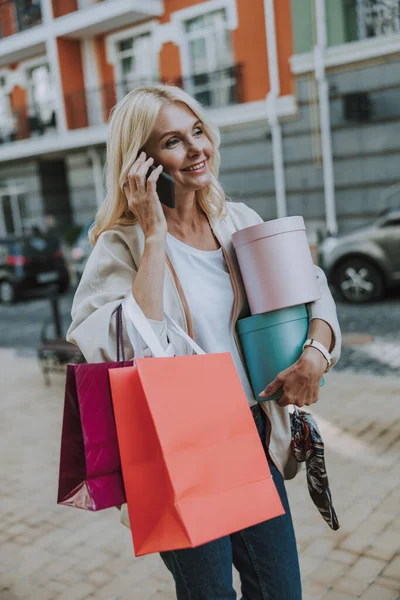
(139, 329)
(173, 326)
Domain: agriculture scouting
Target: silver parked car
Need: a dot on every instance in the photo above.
(363, 264)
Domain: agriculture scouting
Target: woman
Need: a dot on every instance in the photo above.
(181, 262)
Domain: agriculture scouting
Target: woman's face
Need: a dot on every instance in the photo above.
(180, 145)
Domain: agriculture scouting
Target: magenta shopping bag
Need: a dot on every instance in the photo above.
(90, 469)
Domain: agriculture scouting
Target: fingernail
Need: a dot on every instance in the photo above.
(261, 394)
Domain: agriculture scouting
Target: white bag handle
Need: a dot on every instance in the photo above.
(173, 326)
(140, 329)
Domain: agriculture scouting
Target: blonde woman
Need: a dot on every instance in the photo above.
(181, 262)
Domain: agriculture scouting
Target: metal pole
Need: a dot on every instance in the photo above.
(272, 109)
(326, 139)
(97, 175)
(55, 309)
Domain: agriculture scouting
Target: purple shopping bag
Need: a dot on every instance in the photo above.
(90, 469)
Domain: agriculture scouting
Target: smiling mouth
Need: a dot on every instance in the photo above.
(197, 167)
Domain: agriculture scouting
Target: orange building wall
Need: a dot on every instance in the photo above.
(19, 106)
(250, 50)
(106, 77)
(170, 63)
(173, 5)
(64, 7)
(284, 34)
(73, 85)
(7, 21)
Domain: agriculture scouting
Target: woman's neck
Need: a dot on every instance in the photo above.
(188, 223)
(186, 217)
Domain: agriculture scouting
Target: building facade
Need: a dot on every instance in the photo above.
(305, 93)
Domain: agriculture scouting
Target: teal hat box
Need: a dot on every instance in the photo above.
(272, 342)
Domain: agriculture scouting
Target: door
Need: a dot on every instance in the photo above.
(14, 217)
(55, 192)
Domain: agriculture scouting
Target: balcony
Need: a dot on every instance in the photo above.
(83, 18)
(17, 16)
(215, 90)
(28, 122)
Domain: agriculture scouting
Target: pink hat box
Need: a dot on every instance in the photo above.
(276, 264)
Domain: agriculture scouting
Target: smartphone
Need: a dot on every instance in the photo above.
(165, 188)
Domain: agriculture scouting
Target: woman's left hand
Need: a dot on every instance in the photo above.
(300, 382)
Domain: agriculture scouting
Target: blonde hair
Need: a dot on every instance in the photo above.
(131, 123)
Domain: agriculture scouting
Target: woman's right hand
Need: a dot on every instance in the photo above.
(142, 197)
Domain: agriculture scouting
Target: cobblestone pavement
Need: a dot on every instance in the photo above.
(49, 552)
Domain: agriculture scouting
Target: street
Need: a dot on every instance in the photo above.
(371, 342)
(50, 552)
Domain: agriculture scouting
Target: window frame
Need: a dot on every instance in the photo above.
(180, 17)
(113, 54)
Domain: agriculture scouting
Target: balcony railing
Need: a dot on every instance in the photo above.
(18, 15)
(214, 90)
(27, 122)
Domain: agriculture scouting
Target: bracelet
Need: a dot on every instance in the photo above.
(321, 348)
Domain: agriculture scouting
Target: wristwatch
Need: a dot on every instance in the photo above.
(321, 348)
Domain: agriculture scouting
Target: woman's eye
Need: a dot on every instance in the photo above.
(171, 142)
(198, 131)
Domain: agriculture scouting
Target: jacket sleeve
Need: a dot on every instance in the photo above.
(325, 309)
(106, 282)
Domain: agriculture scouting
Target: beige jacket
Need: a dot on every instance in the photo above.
(108, 278)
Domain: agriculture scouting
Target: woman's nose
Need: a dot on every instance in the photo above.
(194, 147)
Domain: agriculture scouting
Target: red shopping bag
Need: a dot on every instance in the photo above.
(90, 468)
(193, 465)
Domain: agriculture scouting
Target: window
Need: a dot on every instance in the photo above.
(15, 216)
(135, 62)
(40, 98)
(212, 80)
(378, 17)
(6, 116)
(395, 222)
(40, 91)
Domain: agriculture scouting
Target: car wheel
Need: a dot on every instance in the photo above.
(358, 281)
(7, 292)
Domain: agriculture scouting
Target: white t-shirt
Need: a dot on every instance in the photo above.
(207, 285)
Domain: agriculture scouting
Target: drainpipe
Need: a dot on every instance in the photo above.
(324, 113)
(97, 175)
(272, 109)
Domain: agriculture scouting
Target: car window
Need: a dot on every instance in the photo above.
(391, 223)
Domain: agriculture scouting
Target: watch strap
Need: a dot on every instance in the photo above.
(321, 348)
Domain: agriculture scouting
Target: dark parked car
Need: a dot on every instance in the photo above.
(30, 263)
(363, 264)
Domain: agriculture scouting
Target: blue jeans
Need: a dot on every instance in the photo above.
(265, 556)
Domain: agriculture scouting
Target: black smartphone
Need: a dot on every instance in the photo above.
(165, 188)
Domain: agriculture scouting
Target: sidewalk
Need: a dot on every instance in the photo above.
(49, 552)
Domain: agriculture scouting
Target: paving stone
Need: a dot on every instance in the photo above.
(393, 569)
(376, 592)
(385, 546)
(349, 585)
(328, 572)
(334, 595)
(392, 584)
(77, 592)
(366, 569)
